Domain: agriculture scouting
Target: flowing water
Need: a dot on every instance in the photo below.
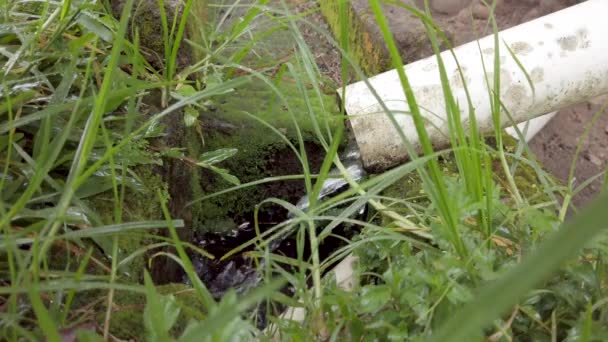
(242, 273)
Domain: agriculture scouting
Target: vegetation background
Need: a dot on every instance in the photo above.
(472, 242)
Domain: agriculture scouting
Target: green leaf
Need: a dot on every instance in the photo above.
(225, 175)
(190, 116)
(94, 233)
(160, 314)
(214, 80)
(224, 322)
(210, 158)
(100, 183)
(374, 297)
(93, 25)
(155, 130)
(73, 215)
(78, 43)
(65, 9)
(17, 100)
(186, 91)
(45, 322)
(134, 154)
(541, 221)
(173, 152)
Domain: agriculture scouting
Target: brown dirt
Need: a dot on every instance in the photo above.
(471, 22)
(556, 144)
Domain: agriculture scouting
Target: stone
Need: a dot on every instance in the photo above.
(482, 11)
(606, 129)
(595, 160)
(449, 7)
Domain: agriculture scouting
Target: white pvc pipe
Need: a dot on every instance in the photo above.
(565, 55)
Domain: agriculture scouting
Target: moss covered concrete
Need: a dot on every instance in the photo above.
(262, 152)
(225, 124)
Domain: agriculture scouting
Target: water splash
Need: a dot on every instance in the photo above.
(242, 273)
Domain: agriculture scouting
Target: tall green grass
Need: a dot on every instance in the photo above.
(465, 254)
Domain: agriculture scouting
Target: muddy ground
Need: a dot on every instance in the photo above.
(463, 21)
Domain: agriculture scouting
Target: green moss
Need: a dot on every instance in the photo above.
(138, 206)
(194, 147)
(526, 177)
(410, 187)
(231, 125)
(152, 182)
(369, 53)
(141, 206)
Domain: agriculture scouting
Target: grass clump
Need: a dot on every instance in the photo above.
(453, 247)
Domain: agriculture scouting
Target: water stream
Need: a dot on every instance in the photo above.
(240, 272)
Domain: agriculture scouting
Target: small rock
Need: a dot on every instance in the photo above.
(595, 160)
(449, 7)
(606, 129)
(481, 11)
